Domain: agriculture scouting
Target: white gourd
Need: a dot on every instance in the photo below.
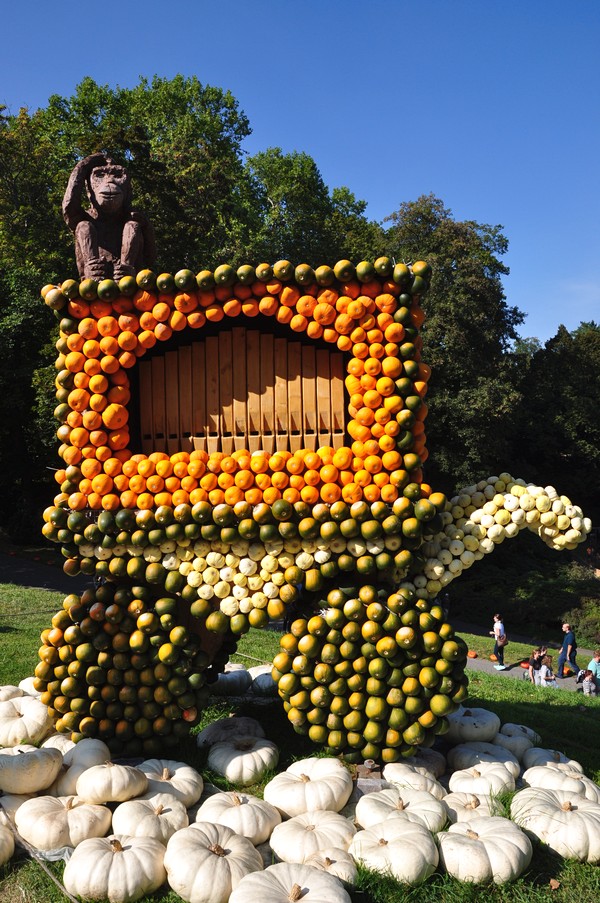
(540, 756)
(463, 806)
(206, 862)
(484, 850)
(23, 719)
(469, 724)
(286, 882)
(53, 822)
(467, 755)
(176, 778)
(399, 848)
(299, 837)
(520, 730)
(404, 775)
(7, 843)
(487, 778)
(158, 816)
(311, 783)
(244, 760)
(26, 769)
(568, 823)
(9, 691)
(225, 728)
(118, 868)
(111, 782)
(247, 815)
(517, 745)
(405, 802)
(335, 862)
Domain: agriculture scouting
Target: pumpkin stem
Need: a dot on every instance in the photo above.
(244, 745)
(237, 800)
(467, 713)
(472, 834)
(476, 774)
(328, 861)
(382, 842)
(69, 803)
(295, 893)
(159, 809)
(310, 827)
(400, 804)
(116, 845)
(217, 849)
(166, 774)
(304, 778)
(566, 806)
(473, 803)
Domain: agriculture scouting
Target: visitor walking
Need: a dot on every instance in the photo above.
(501, 641)
(568, 652)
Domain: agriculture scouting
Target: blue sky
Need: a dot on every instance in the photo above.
(491, 106)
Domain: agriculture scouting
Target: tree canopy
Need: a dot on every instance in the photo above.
(210, 203)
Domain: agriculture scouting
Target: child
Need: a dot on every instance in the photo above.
(547, 678)
(589, 684)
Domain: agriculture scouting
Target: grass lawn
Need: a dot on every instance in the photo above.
(564, 719)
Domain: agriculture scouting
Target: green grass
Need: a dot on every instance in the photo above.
(565, 720)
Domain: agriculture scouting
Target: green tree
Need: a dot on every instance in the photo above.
(561, 417)
(467, 339)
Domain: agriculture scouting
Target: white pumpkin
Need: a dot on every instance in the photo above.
(568, 823)
(539, 756)
(467, 806)
(246, 815)
(517, 745)
(118, 868)
(23, 719)
(76, 760)
(299, 837)
(431, 760)
(28, 687)
(58, 741)
(287, 882)
(25, 769)
(158, 816)
(520, 730)
(336, 862)
(170, 776)
(225, 728)
(9, 691)
(205, 862)
(404, 775)
(308, 784)
(486, 778)
(233, 682)
(414, 805)
(467, 755)
(7, 843)
(243, 760)
(396, 847)
(485, 849)
(469, 724)
(262, 681)
(556, 779)
(111, 782)
(9, 803)
(51, 822)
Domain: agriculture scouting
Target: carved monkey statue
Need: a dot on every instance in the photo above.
(111, 239)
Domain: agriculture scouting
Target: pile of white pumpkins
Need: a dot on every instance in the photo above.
(126, 830)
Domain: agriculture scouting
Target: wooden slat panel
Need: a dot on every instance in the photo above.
(239, 339)
(338, 401)
(185, 394)
(281, 394)
(172, 401)
(146, 407)
(323, 398)
(212, 393)
(309, 396)
(199, 396)
(159, 417)
(294, 393)
(268, 378)
(226, 391)
(253, 364)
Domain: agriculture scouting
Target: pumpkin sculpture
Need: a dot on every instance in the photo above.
(254, 499)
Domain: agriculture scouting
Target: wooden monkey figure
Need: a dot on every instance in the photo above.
(111, 239)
